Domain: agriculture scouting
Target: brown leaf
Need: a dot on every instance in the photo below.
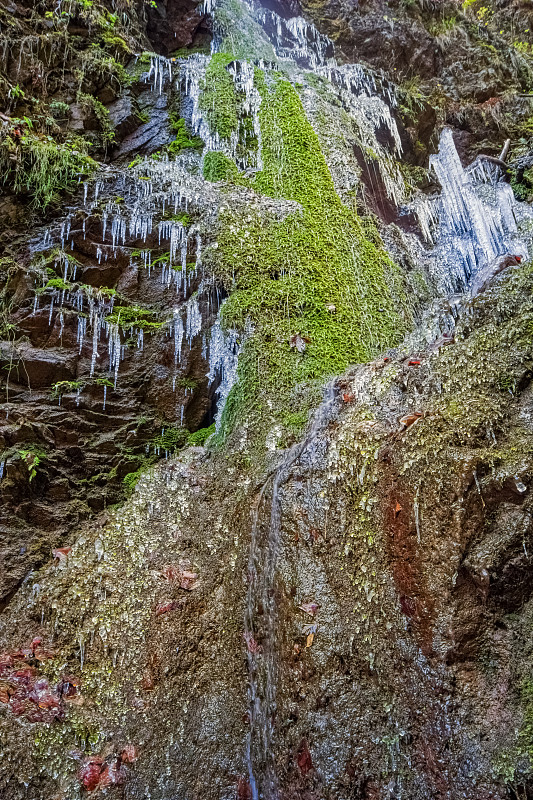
(397, 509)
(299, 342)
(410, 419)
(128, 754)
(305, 762)
(309, 640)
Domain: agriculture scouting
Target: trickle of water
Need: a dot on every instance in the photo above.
(262, 657)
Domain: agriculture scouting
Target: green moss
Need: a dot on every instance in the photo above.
(183, 140)
(241, 34)
(317, 273)
(218, 166)
(199, 437)
(42, 166)
(219, 100)
(101, 113)
(58, 283)
(134, 317)
(171, 439)
(130, 480)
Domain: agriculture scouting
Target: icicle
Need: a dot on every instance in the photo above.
(179, 332)
(476, 223)
(224, 349)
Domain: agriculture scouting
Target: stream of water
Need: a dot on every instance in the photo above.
(261, 616)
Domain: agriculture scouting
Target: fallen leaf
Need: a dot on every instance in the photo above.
(397, 509)
(414, 363)
(251, 644)
(299, 342)
(348, 397)
(171, 572)
(164, 608)
(410, 419)
(91, 772)
(60, 553)
(305, 762)
(309, 640)
(188, 580)
(128, 754)
(310, 608)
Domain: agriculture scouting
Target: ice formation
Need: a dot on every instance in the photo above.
(478, 217)
(224, 349)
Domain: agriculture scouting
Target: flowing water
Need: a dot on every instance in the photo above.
(261, 615)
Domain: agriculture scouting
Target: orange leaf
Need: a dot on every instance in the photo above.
(310, 638)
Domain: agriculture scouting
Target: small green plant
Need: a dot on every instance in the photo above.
(187, 383)
(42, 166)
(65, 387)
(32, 457)
(127, 317)
(16, 93)
(59, 111)
(523, 47)
(171, 439)
(101, 113)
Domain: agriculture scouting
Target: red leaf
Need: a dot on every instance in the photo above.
(164, 608)
(94, 773)
(305, 762)
(60, 553)
(348, 397)
(414, 363)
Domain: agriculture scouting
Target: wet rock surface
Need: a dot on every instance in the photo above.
(402, 598)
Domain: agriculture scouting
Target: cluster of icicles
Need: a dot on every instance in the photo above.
(473, 220)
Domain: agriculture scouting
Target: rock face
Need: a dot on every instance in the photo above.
(396, 628)
(216, 212)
